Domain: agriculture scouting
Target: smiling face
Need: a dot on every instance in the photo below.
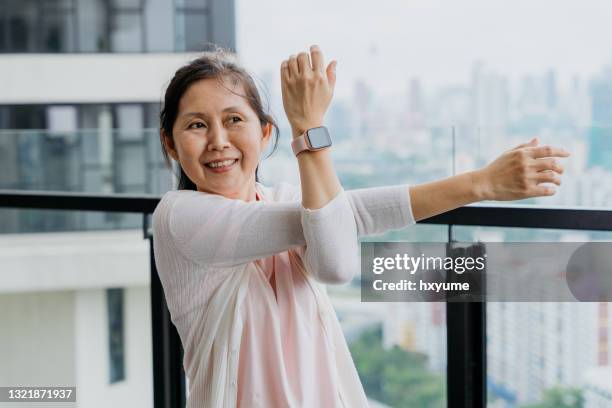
(214, 122)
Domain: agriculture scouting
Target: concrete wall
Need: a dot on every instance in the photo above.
(87, 78)
(37, 338)
(53, 314)
(92, 359)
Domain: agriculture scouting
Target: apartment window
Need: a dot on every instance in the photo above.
(37, 26)
(191, 22)
(127, 26)
(116, 335)
(57, 26)
(72, 26)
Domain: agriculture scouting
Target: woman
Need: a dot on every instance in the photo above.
(244, 266)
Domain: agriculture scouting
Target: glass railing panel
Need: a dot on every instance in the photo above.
(546, 353)
(93, 161)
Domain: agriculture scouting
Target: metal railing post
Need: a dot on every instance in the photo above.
(168, 373)
(466, 369)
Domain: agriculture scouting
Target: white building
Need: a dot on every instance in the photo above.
(58, 325)
(82, 84)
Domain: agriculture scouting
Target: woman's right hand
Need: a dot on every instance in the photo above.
(519, 172)
(307, 88)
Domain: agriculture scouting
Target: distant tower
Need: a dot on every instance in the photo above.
(415, 96)
(600, 137)
(551, 89)
(362, 96)
(415, 111)
(489, 97)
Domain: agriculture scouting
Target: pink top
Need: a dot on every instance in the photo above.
(284, 355)
(245, 285)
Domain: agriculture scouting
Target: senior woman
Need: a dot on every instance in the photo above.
(244, 266)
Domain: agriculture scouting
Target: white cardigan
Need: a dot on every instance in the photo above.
(205, 246)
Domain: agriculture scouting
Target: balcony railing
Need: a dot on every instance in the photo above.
(466, 322)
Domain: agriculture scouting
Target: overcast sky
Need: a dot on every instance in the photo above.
(389, 42)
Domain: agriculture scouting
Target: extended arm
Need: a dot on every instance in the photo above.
(439, 196)
(516, 174)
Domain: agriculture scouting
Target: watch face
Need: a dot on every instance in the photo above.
(319, 137)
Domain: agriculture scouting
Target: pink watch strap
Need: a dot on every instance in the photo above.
(299, 144)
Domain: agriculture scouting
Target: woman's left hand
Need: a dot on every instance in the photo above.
(307, 87)
(520, 172)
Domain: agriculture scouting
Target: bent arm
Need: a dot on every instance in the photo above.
(331, 252)
(327, 219)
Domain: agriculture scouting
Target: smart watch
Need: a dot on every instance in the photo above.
(312, 139)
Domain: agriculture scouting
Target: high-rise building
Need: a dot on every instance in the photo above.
(600, 137)
(489, 99)
(532, 347)
(83, 83)
(551, 89)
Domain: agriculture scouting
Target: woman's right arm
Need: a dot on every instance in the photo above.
(216, 231)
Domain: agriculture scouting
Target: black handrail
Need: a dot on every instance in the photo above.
(466, 322)
(523, 216)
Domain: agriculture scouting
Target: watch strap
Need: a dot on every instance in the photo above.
(299, 144)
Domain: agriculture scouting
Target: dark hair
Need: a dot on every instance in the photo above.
(221, 64)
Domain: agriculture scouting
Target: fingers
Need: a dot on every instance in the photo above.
(284, 70)
(540, 191)
(303, 61)
(548, 164)
(316, 57)
(331, 73)
(293, 66)
(536, 188)
(547, 177)
(551, 174)
(548, 170)
(546, 151)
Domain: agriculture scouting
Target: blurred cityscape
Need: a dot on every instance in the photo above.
(79, 112)
(387, 139)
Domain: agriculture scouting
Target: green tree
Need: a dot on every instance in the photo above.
(396, 377)
(559, 397)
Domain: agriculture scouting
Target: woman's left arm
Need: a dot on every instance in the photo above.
(516, 174)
